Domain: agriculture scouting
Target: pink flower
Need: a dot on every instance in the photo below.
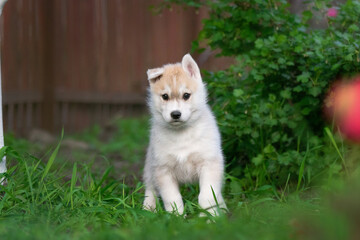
(332, 12)
(342, 108)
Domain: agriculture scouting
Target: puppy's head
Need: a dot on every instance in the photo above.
(177, 92)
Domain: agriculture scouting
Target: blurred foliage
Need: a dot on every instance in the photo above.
(269, 104)
(20, 144)
(124, 138)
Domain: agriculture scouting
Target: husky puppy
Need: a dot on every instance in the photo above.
(185, 144)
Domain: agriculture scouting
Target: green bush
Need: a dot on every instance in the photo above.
(269, 104)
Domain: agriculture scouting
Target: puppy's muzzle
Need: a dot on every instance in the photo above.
(175, 115)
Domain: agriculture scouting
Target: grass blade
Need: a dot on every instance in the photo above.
(72, 185)
(302, 167)
(30, 182)
(104, 177)
(330, 135)
(301, 173)
(3, 151)
(52, 158)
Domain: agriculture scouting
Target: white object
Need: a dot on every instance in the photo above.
(3, 162)
(185, 143)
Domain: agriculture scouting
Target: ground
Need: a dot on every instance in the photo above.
(89, 187)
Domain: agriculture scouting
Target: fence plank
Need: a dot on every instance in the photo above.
(29, 115)
(10, 117)
(19, 116)
(49, 86)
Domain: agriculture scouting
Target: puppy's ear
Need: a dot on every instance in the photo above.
(154, 74)
(190, 66)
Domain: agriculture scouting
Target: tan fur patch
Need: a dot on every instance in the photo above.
(175, 79)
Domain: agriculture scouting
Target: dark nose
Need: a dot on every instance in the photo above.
(175, 114)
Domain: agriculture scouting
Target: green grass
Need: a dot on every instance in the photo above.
(125, 136)
(49, 198)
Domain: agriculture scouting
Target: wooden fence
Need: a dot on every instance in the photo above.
(73, 63)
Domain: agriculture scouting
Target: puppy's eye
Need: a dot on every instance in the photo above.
(165, 97)
(186, 96)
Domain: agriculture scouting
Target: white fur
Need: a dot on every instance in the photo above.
(154, 73)
(186, 152)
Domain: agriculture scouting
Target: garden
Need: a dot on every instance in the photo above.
(292, 172)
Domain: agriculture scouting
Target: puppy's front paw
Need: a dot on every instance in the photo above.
(175, 207)
(214, 205)
(149, 203)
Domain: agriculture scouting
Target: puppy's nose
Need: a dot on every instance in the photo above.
(175, 114)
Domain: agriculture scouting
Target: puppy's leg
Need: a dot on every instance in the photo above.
(150, 198)
(210, 197)
(150, 191)
(169, 192)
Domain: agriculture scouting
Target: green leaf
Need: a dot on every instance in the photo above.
(298, 49)
(275, 137)
(297, 89)
(307, 15)
(305, 111)
(284, 159)
(315, 91)
(269, 149)
(281, 39)
(258, 77)
(285, 93)
(259, 43)
(258, 159)
(349, 57)
(238, 92)
(281, 60)
(335, 66)
(304, 77)
(353, 28)
(272, 97)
